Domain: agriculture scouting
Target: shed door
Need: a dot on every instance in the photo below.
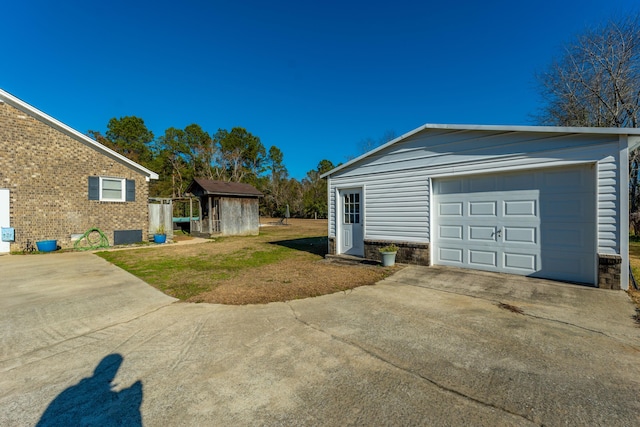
(351, 224)
(537, 223)
(4, 217)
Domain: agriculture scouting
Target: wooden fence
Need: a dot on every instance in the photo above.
(161, 213)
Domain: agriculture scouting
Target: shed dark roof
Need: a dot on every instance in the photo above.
(224, 188)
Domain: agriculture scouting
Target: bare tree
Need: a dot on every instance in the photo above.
(369, 144)
(596, 82)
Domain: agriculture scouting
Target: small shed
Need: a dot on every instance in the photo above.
(228, 208)
(548, 202)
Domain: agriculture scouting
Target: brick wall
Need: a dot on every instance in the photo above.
(332, 245)
(408, 253)
(609, 271)
(47, 174)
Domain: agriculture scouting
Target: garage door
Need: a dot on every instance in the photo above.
(538, 223)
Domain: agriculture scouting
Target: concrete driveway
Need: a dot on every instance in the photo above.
(84, 342)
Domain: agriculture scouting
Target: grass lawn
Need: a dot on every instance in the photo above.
(281, 264)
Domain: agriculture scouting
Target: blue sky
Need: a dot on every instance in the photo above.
(312, 78)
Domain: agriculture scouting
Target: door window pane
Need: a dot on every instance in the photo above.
(351, 208)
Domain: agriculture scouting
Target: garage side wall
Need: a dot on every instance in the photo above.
(47, 174)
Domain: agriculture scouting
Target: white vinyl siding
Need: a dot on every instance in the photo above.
(608, 206)
(397, 177)
(454, 152)
(396, 207)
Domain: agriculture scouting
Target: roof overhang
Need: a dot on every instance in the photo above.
(67, 130)
(223, 188)
(220, 193)
(632, 132)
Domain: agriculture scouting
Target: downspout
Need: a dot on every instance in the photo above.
(624, 144)
(329, 207)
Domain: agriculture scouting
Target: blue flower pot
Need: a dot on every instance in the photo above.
(159, 238)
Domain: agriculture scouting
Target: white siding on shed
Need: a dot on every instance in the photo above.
(396, 206)
(397, 177)
(446, 152)
(608, 206)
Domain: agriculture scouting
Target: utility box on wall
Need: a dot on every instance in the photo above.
(127, 237)
(7, 234)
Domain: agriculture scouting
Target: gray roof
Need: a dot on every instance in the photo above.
(224, 188)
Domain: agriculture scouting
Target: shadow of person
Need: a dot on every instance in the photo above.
(93, 402)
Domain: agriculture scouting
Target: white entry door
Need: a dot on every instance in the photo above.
(351, 224)
(4, 217)
(536, 223)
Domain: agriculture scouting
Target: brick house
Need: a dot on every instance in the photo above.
(56, 183)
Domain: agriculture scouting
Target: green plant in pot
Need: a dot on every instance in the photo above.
(160, 236)
(388, 255)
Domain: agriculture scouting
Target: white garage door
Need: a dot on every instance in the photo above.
(538, 223)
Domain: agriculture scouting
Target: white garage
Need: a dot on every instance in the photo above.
(548, 202)
(539, 223)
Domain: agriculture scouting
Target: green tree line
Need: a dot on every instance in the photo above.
(180, 155)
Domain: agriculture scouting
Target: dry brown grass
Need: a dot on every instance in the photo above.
(289, 280)
(634, 259)
(282, 263)
(635, 296)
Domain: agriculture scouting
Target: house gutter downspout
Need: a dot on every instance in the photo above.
(625, 143)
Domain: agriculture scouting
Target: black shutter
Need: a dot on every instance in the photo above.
(94, 188)
(131, 190)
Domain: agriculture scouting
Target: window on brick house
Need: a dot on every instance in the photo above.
(109, 189)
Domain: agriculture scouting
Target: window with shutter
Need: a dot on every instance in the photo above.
(131, 190)
(109, 189)
(94, 188)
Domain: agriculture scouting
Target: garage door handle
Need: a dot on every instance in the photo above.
(499, 233)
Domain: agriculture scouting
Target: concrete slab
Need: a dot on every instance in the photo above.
(428, 346)
(51, 298)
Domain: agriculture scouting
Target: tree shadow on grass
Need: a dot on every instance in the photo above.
(313, 245)
(92, 402)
